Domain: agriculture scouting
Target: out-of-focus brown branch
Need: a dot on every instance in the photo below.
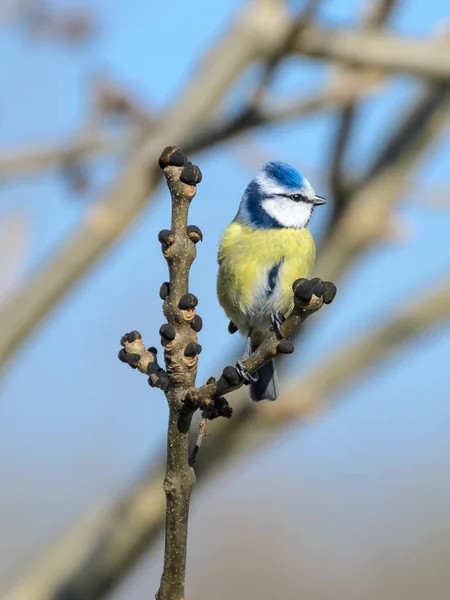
(14, 245)
(24, 161)
(425, 58)
(367, 218)
(95, 554)
(374, 19)
(258, 115)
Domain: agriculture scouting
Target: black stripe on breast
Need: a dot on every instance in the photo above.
(272, 278)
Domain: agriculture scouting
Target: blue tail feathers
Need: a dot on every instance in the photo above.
(266, 388)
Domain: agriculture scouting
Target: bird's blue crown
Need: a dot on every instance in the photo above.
(284, 175)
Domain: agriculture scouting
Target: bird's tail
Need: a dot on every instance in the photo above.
(266, 388)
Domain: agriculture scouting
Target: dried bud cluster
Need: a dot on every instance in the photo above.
(137, 356)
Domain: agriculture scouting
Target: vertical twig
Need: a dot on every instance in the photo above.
(179, 338)
(181, 350)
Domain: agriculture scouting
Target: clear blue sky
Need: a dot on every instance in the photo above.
(75, 431)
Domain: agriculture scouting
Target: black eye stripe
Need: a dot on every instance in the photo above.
(296, 197)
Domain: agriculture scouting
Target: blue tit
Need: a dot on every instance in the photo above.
(262, 252)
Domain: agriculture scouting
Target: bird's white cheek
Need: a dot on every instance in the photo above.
(287, 212)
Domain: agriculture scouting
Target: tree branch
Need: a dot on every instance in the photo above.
(309, 297)
(179, 334)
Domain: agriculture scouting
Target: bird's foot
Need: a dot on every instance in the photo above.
(277, 320)
(243, 374)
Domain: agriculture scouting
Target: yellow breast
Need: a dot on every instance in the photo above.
(246, 257)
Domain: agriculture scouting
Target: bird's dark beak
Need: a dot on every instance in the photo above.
(318, 200)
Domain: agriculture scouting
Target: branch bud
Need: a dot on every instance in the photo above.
(172, 155)
(286, 347)
(302, 289)
(318, 287)
(167, 332)
(187, 301)
(191, 350)
(164, 290)
(132, 359)
(329, 292)
(191, 174)
(231, 375)
(197, 323)
(194, 233)
(130, 337)
(166, 237)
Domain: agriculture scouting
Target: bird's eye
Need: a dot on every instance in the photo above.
(297, 197)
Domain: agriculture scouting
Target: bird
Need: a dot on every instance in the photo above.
(261, 253)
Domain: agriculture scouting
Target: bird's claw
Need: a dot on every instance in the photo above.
(243, 374)
(277, 320)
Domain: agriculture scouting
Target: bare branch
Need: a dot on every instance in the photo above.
(177, 336)
(309, 297)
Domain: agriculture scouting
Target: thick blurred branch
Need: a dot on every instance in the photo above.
(23, 161)
(88, 561)
(425, 58)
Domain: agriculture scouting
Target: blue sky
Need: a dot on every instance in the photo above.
(75, 431)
